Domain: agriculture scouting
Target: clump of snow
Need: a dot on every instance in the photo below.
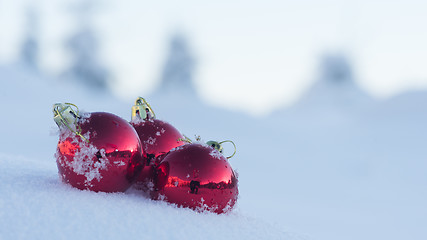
(84, 161)
(203, 207)
(84, 117)
(150, 140)
(137, 121)
(150, 185)
(34, 204)
(301, 171)
(228, 207)
(177, 148)
(119, 163)
(161, 197)
(216, 154)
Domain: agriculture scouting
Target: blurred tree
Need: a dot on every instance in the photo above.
(335, 69)
(83, 47)
(30, 46)
(177, 74)
(85, 65)
(335, 87)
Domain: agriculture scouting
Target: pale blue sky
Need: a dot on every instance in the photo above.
(251, 54)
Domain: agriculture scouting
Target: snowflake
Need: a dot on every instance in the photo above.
(151, 140)
(119, 163)
(204, 207)
(214, 153)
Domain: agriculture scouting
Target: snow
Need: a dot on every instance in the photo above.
(36, 205)
(84, 151)
(335, 173)
(215, 154)
(150, 140)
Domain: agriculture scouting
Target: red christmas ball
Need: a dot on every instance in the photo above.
(196, 176)
(97, 151)
(157, 138)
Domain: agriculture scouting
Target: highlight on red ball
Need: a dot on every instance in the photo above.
(100, 151)
(157, 139)
(96, 151)
(197, 176)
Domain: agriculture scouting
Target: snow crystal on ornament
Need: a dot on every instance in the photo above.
(84, 161)
(119, 163)
(214, 153)
(228, 207)
(65, 133)
(85, 164)
(150, 186)
(177, 148)
(204, 207)
(84, 117)
(137, 121)
(150, 140)
(161, 197)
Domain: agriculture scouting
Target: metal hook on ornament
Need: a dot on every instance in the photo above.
(65, 115)
(234, 145)
(218, 146)
(185, 139)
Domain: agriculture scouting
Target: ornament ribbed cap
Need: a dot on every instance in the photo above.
(142, 110)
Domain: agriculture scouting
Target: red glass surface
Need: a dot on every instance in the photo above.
(157, 138)
(110, 162)
(196, 176)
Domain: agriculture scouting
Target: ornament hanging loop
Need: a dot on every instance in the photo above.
(142, 110)
(65, 115)
(234, 145)
(219, 148)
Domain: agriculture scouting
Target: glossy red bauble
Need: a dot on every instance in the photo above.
(157, 138)
(196, 176)
(105, 155)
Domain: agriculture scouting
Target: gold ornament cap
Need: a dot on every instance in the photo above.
(65, 116)
(142, 110)
(219, 148)
(215, 145)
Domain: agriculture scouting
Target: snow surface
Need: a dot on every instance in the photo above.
(303, 173)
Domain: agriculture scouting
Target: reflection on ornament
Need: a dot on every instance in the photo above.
(157, 138)
(97, 151)
(196, 176)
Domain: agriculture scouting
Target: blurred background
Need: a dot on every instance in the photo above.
(326, 100)
(249, 56)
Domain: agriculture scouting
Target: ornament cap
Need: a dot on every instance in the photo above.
(219, 148)
(215, 145)
(65, 116)
(142, 110)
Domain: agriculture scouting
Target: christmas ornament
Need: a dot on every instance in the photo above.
(157, 138)
(96, 151)
(197, 176)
